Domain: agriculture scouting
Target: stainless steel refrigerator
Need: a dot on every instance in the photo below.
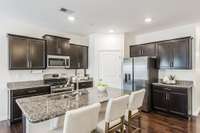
(139, 73)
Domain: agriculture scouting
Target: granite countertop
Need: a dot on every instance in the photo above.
(84, 80)
(26, 84)
(179, 84)
(45, 107)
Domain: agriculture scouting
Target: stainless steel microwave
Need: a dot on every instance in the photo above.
(55, 61)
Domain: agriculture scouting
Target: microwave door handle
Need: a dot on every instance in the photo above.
(69, 62)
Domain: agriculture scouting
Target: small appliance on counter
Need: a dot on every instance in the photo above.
(169, 80)
(58, 83)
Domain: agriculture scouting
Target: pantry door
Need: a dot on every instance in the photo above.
(110, 68)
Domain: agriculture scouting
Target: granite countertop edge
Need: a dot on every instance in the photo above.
(33, 84)
(26, 85)
(188, 86)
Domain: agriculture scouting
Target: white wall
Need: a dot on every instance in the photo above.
(24, 28)
(129, 39)
(176, 32)
(99, 42)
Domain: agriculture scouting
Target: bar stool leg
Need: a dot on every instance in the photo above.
(122, 124)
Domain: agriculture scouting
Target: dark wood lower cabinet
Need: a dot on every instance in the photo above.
(83, 85)
(15, 111)
(172, 100)
(178, 103)
(159, 100)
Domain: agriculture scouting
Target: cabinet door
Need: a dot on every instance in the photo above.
(178, 103)
(52, 47)
(165, 55)
(135, 51)
(64, 45)
(159, 100)
(16, 113)
(74, 56)
(18, 53)
(84, 51)
(180, 54)
(149, 49)
(37, 54)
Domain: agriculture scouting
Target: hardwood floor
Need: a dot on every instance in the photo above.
(151, 123)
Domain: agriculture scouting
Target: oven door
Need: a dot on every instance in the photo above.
(56, 62)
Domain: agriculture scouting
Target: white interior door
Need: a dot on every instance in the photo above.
(110, 68)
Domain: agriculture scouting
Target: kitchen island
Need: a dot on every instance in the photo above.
(42, 113)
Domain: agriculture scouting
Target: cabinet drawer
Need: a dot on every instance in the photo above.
(172, 89)
(31, 91)
(85, 84)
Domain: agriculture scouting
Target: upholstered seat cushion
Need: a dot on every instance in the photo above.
(132, 113)
(57, 130)
(101, 125)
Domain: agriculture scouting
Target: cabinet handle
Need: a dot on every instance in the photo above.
(30, 64)
(32, 91)
(167, 89)
(27, 64)
(171, 64)
(167, 96)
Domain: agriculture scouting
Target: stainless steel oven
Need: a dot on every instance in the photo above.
(55, 61)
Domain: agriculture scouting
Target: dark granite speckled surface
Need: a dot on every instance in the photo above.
(179, 84)
(41, 108)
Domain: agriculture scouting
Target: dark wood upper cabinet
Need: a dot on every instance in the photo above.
(175, 54)
(37, 54)
(57, 45)
(148, 49)
(51, 45)
(78, 56)
(18, 52)
(64, 46)
(84, 57)
(60, 46)
(165, 55)
(74, 56)
(26, 53)
(181, 54)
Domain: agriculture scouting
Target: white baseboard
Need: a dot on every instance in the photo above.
(196, 113)
(3, 118)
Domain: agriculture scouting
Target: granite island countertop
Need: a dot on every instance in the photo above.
(26, 85)
(40, 108)
(179, 84)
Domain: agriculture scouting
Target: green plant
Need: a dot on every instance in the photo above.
(172, 77)
(100, 84)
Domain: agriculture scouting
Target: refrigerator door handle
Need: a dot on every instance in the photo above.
(129, 76)
(125, 78)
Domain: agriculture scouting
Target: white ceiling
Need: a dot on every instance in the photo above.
(103, 15)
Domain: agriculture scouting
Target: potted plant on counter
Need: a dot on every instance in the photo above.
(102, 86)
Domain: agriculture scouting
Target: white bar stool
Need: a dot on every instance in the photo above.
(114, 116)
(82, 120)
(133, 112)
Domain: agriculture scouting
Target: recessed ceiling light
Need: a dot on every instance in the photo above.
(148, 20)
(71, 18)
(111, 31)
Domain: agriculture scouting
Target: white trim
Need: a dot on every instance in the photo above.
(196, 113)
(3, 118)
